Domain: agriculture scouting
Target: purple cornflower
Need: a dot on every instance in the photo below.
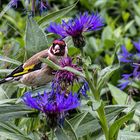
(133, 60)
(54, 104)
(77, 26)
(123, 84)
(84, 89)
(125, 56)
(64, 75)
(36, 4)
(125, 81)
(66, 79)
(137, 45)
(136, 70)
(43, 7)
(13, 3)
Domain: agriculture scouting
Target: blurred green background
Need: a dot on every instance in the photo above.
(122, 26)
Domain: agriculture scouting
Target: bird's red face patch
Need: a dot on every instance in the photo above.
(59, 42)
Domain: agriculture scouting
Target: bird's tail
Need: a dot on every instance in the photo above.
(5, 80)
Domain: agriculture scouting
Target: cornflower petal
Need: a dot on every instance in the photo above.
(13, 3)
(126, 76)
(31, 102)
(136, 71)
(52, 103)
(125, 56)
(137, 45)
(78, 25)
(123, 85)
(133, 60)
(35, 3)
(84, 89)
(66, 76)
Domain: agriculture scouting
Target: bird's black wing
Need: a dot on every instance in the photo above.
(21, 71)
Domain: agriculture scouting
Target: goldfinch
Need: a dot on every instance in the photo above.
(35, 73)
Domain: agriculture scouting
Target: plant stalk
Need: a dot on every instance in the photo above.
(100, 110)
(52, 134)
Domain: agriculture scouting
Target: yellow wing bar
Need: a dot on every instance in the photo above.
(26, 70)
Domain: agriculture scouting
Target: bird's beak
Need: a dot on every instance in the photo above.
(57, 49)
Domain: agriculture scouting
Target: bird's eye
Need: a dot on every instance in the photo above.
(54, 45)
(63, 46)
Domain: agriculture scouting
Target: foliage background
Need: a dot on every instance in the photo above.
(122, 19)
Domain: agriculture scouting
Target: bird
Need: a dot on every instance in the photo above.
(35, 73)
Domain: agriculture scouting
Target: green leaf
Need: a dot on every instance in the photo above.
(50, 63)
(108, 43)
(10, 127)
(88, 127)
(73, 71)
(112, 111)
(103, 119)
(4, 101)
(61, 134)
(77, 120)
(89, 123)
(128, 25)
(6, 70)
(35, 38)
(108, 59)
(73, 51)
(70, 131)
(114, 128)
(14, 22)
(13, 136)
(34, 136)
(96, 104)
(125, 16)
(137, 19)
(9, 89)
(136, 108)
(7, 59)
(127, 135)
(57, 67)
(8, 111)
(3, 94)
(137, 8)
(10, 131)
(105, 74)
(123, 135)
(55, 15)
(119, 96)
(115, 55)
(6, 8)
(107, 33)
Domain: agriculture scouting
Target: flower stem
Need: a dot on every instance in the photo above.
(92, 87)
(100, 110)
(52, 134)
(103, 120)
(33, 7)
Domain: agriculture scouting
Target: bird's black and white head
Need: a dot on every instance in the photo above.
(59, 48)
